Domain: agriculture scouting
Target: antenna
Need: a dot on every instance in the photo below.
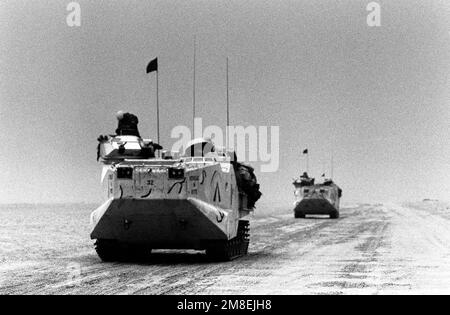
(324, 169)
(228, 99)
(332, 163)
(333, 145)
(193, 86)
(307, 162)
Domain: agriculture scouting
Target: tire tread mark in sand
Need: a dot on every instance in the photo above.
(357, 268)
(243, 262)
(304, 234)
(201, 278)
(309, 232)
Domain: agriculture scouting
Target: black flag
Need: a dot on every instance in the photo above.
(153, 65)
(305, 151)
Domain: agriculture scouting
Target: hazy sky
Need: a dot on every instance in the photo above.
(379, 96)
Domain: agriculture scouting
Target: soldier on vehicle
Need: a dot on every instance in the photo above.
(305, 180)
(127, 124)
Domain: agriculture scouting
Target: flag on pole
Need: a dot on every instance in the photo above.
(153, 65)
(305, 151)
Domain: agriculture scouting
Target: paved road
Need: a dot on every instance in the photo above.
(371, 249)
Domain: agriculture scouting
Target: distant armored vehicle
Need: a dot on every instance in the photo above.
(196, 201)
(314, 198)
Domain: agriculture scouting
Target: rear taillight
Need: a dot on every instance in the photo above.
(176, 173)
(125, 173)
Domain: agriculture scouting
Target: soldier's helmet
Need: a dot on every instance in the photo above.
(119, 115)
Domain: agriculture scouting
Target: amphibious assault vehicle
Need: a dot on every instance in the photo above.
(314, 198)
(198, 200)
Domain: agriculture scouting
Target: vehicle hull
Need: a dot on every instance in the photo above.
(194, 202)
(317, 199)
(163, 223)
